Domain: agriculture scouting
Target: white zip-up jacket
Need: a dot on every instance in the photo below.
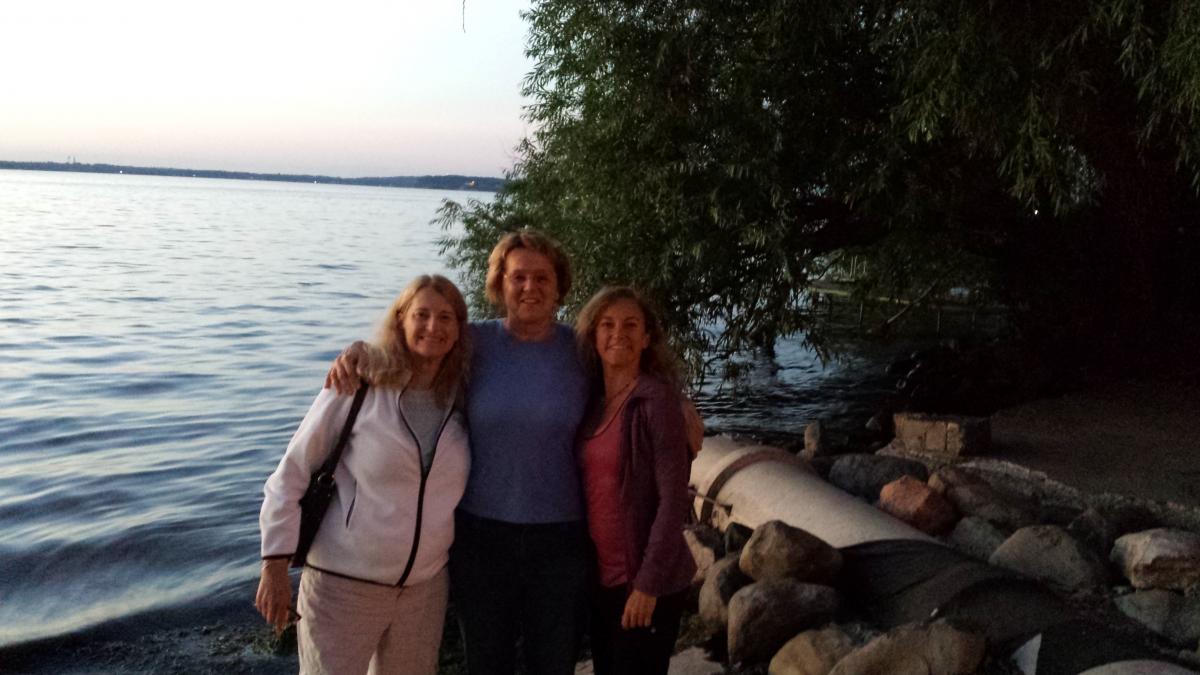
(388, 523)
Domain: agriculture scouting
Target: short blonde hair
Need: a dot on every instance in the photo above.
(657, 358)
(534, 241)
(389, 361)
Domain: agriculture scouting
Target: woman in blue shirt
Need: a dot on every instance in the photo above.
(520, 557)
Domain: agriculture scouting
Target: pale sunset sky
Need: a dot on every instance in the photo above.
(344, 88)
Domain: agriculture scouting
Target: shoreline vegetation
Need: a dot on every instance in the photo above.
(443, 182)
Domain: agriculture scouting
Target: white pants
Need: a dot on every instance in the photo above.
(350, 627)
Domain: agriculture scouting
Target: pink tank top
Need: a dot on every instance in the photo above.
(602, 488)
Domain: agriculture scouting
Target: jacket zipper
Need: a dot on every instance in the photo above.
(412, 554)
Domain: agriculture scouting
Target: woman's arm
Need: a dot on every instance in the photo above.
(664, 422)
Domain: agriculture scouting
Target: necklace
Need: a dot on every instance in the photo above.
(609, 399)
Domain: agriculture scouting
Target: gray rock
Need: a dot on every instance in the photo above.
(949, 476)
(1048, 552)
(935, 649)
(865, 475)
(881, 423)
(723, 580)
(977, 537)
(1168, 613)
(707, 548)
(983, 501)
(777, 550)
(1094, 529)
(1159, 558)
(813, 652)
(1128, 518)
(1152, 608)
(1184, 626)
(815, 444)
(1139, 667)
(693, 661)
(736, 536)
(766, 614)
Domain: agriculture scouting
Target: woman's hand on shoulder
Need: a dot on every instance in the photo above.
(274, 598)
(343, 374)
(639, 610)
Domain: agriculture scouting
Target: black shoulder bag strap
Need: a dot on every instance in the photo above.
(334, 457)
(315, 501)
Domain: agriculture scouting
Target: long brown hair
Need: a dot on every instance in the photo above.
(389, 362)
(657, 358)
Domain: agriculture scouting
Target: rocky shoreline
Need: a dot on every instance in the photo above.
(777, 598)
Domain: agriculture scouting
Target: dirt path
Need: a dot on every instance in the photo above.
(1140, 440)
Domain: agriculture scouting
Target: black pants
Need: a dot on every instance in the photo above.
(636, 651)
(511, 581)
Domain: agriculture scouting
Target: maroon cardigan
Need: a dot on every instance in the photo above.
(655, 468)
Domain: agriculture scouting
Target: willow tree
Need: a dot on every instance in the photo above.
(720, 154)
(1086, 111)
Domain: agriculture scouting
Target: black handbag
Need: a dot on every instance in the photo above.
(321, 486)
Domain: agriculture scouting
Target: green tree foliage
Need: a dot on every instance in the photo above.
(1085, 110)
(720, 154)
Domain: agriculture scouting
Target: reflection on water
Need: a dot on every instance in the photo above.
(160, 338)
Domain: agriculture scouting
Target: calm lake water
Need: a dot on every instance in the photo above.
(160, 339)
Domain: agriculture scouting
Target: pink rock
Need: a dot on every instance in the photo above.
(917, 504)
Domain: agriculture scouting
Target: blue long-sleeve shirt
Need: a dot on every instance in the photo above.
(525, 401)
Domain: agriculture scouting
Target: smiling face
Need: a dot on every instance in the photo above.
(530, 287)
(621, 335)
(430, 326)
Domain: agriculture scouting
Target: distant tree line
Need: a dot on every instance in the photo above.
(723, 153)
(447, 182)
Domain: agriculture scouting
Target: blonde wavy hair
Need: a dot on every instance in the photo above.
(534, 241)
(389, 361)
(657, 359)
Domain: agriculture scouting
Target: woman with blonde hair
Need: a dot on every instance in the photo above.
(635, 460)
(374, 588)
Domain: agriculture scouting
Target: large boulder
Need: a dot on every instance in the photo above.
(865, 475)
(813, 652)
(948, 476)
(1184, 627)
(707, 548)
(1095, 529)
(917, 504)
(983, 501)
(736, 536)
(1153, 608)
(934, 649)
(691, 661)
(977, 537)
(723, 580)
(777, 550)
(1050, 553)
(1159, 558)
(766, 614)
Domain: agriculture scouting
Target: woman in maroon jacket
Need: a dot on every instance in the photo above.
(635, 462)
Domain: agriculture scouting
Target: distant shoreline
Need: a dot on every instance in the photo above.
(444, 182)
